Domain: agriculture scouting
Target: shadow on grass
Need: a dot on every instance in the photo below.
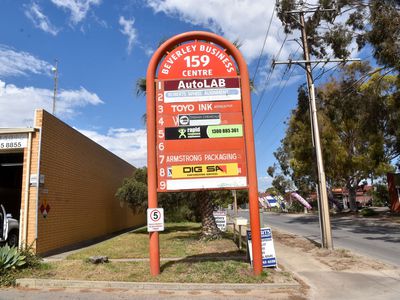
(170, 229)
(189, 236)
(239, 256)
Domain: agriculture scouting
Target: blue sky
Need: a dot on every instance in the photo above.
(104, 46)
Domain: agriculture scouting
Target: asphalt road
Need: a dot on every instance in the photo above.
(376, 239)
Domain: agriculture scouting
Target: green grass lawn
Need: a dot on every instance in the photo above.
(178, 240)
(217, 261)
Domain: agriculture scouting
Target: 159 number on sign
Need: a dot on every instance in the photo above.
(195, 61)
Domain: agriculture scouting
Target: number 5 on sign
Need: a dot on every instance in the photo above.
(155, 219)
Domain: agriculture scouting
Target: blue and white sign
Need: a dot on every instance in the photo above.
(267, 248)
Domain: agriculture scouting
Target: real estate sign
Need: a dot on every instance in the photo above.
(220, 219)
(267, 248)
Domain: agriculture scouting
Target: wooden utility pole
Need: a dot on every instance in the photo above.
(324, 218)
(326, 232)
(235, 208)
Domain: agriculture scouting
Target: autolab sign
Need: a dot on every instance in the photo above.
(199, 116)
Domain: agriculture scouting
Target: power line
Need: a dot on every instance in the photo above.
(265, 40)
(275, 99)
(277, 95)
(323, 71)
(268, 80)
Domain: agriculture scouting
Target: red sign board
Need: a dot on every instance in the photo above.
(199, 125)
(197, 60)
(199, 120)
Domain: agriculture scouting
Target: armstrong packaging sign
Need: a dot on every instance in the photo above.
(199, 120)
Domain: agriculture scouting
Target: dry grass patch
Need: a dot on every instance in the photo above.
(337, 259)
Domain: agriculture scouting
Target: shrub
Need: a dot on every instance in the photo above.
(181, 214)
(296, 207)
(7, 278)
(380, 195)
(11, 258)
(368, 212)
(31, 259)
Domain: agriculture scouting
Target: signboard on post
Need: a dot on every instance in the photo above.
(199, 125)
(155, 219)
(267, 248)
(220, 219)
(199, 120)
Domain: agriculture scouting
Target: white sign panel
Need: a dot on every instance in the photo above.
(220, 219)
(155, 219)
(199, 119)
(202, 95)
(203, 183)
(13, 141)
(267, 248)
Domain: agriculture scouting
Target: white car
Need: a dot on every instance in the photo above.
(9, 228)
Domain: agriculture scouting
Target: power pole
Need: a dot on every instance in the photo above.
(235, 208)
(324, 218)
(55, 71)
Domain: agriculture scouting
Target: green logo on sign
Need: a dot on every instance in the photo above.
(182, 133)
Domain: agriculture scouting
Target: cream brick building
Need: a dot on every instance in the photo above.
(61, 185)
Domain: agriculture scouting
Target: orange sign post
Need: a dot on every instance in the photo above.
(199, 125)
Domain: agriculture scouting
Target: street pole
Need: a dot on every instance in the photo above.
(235, 209)
(323, 197)
(324, 218)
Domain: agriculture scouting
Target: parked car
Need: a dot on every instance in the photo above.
(9, 228)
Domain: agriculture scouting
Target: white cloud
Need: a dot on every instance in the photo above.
(77, 8)
(148, 51)
(128, 143)
(13, 63)
(128, 30)
(264, 182)
(245, 20)
(18, 104)
(39, 19)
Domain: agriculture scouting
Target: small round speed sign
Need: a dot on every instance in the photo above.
(155, 215)
(155, 219)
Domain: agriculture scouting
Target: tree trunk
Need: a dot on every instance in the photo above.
(352, 197)
(210, 230)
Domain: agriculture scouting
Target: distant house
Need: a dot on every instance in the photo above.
(363, 195)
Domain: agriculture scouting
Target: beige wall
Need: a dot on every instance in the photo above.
(81, 179)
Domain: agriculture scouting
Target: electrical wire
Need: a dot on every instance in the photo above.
(277, 94)
(268, 80)
(275, 99)
(265, 41)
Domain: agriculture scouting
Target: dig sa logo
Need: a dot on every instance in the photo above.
(199, 169)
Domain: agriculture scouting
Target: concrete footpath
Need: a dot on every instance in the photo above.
(377, 282)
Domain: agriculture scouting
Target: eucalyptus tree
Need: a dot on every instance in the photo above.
(359, 128)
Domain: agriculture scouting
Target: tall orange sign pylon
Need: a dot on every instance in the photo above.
(199, 125)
